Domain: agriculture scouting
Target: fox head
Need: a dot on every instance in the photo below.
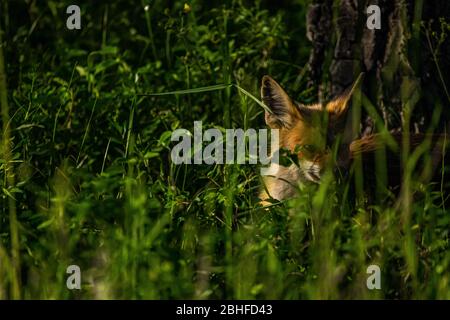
(308, 131)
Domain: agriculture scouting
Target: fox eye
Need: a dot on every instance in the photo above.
(309, 147)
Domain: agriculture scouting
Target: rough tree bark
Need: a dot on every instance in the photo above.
(395, 58)
(318, 24)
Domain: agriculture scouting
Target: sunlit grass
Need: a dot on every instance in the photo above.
(87, 177)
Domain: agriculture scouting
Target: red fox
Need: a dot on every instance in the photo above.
(309, 132)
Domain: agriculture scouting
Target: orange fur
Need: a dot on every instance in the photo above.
(308, 132)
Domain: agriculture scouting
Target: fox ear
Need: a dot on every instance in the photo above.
(283, 111)
(337, 107)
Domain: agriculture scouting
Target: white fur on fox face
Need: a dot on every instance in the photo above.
(272, 170)
(311, 170)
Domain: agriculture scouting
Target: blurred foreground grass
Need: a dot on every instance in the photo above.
(87, 178)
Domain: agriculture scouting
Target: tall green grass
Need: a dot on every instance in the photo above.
(87, 177)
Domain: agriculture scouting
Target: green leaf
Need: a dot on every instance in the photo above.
(210, 88)
(151, 154)
(189, 91)
(45, 224)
